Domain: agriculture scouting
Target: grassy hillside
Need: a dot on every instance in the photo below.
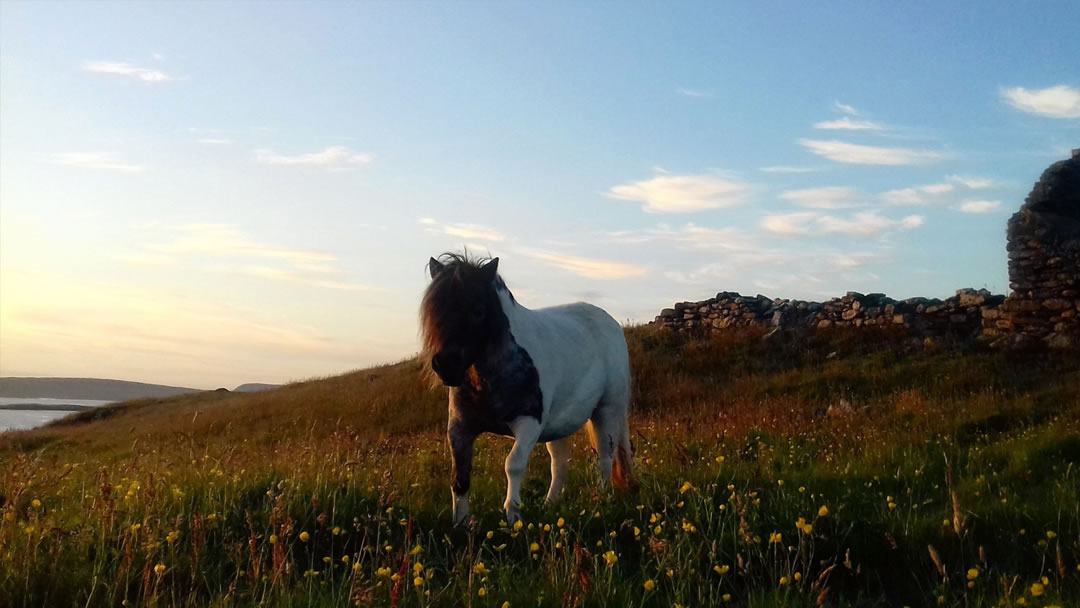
(830, 469)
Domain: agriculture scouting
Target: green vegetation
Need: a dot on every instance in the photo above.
(827, 470)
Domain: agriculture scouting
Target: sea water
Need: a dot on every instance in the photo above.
(11, 420)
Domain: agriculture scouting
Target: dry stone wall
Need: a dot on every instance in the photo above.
(1044, 276)
(963, 314)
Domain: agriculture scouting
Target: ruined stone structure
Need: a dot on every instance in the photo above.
(1044, 275)
(1044, 262)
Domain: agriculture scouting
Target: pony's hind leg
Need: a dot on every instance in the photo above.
(559, 450)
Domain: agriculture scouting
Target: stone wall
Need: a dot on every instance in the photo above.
(1044, 276)
(1044, 261)
(964, 314)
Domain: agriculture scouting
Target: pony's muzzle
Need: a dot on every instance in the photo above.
(449, 366)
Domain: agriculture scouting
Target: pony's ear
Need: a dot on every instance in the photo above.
(490, 269)
(435, 267)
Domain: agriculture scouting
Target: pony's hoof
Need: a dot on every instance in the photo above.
(513, 516)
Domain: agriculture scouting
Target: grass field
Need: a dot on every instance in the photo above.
(827, 470)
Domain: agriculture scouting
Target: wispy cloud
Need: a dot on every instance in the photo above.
(787, 169)
(590, 268)
(858, 154)
(122, 68)
(866, 224)
(846, 124)
(1056, 102)
(427, 221)
(920, 195)
(473, 231)
(980, 206)
(693, 93)
(334, 157)
(689, 237)
(833, 197)
(970, 181)
(285, 275)
(216, 141)
(843, 108)
(94, 160)
(683, 193)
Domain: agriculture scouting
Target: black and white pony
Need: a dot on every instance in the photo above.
(534, 375)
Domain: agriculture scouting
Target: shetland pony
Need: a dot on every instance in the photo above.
(533, 375)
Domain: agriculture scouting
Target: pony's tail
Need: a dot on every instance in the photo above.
(622, 465)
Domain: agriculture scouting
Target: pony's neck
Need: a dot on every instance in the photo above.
(502, 348)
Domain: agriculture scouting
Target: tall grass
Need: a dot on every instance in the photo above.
(802, 471)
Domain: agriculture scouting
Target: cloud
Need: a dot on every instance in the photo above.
(834, 197)
(689, 237)
(865, 224)
(843, 108)
(121, 68)
(217, 246)
(786, 169)
(473, 231)
(857, 154)
(979, 206)
(683, 193)
(94, 160)
(215, 141)
(1056, 102)
(846, 124)
(427, 221)
(693, 93)
(969, 181)
(920, 195)
(334, 157)
(589, 268)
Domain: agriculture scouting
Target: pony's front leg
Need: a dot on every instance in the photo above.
(526, 430)
(461, 454)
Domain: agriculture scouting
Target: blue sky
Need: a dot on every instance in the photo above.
(214, 193)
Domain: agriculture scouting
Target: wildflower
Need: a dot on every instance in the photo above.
(649, 585)
(327, 559)
(721, 570)
(381, 572)
(726, 597)
(135, 528)
(780, 483)
(823, 511)
(1051, 535)
(798, 576)
(273, 539)
(395, 577)
(561, 522)
(480, 569)
(802, 489)
(803, 525)
(35, 503)
(1037, 589)
(418, 582)
(418, 568)
(637, 531)
(417, 550)
(482, 591)
(500, 547)
(972, 574)
(719, 460)
(547, 527)
(518, 525)
(892, 505)
(783, 580)
(506, 605)
(336, 531)
(159, 569)
(172, 537)
(776, 538)
(531, 527)
(304, 537)
(9, 516)
(611, 558)
(656, 530)
(686, 487)
(388, 548)
(534, 548)
(344, 559)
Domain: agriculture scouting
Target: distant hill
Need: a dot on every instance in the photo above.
(86, 388)
(254, 387)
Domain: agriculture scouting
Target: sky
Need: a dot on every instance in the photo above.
(207, 194)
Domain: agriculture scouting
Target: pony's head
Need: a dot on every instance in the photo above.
(460, 314)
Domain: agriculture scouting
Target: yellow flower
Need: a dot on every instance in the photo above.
(518, 525)
(418, 567)
(972, 574)
(417, 550)
(506, 605)
(686, 487)
(726, 597)
(172, 537)
(798, 576)
(547, 527)
(500, 547)
(418, 581)
(158, 569)
(892, 505)
(304, 537)
(480, 569)
(637, 531)
(336, 531)
(9, 516)
(780, 482)
(783, 580)
(387, 548)
(823, 511)
(776, 538)
(722, 570)
(273, 539)
(611, 558)
(1037, 589)
(534, 547)
(1050, 534)
(649, 585)
(344, 559)
(381, 572)
(35, 503)
(561, 522)
(482, 591)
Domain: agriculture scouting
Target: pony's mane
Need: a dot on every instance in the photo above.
(460, 270)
